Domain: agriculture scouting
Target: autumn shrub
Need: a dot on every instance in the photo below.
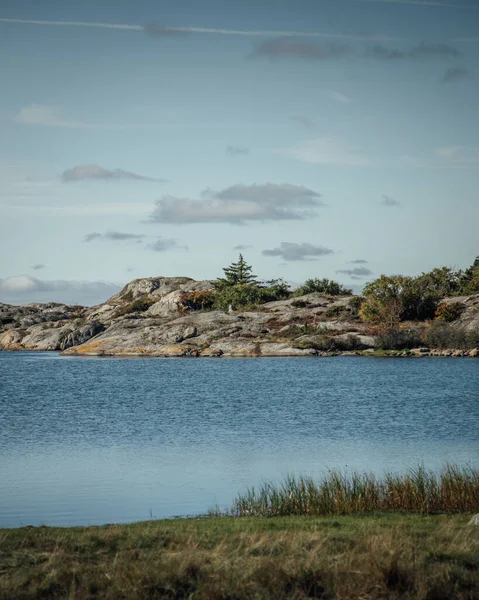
(200, 300)
(139, 305)
(449, 312)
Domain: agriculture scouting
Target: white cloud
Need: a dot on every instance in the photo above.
(21, 289)
(239, 204)
(291, 251)
(388, 201)
(48, 116)
(327, 151)
(460, 156)
(82, 172)
(339, 97)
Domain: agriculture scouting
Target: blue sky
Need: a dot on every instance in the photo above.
(326, 138)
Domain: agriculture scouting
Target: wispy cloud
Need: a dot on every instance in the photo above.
(114, 236)
(339, 97)
(89, 172)
(358, 261)
(159, 244)
(164, 244)
(458, 156)
(51, 116)
(357, 273)
(20, 289)
(289, 47)
(388, 201)
(290, 251)
(237, 150)
(327, 151)
(242, 247)
(309, 124)
(166, 30)
(455, 74)
(423, 50)
(240, 204)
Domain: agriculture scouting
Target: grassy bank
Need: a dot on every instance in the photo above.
(453, 490)
(223, 558)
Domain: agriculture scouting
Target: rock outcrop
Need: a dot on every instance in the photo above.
(162, 316)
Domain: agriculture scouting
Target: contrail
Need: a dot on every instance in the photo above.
(239, 32)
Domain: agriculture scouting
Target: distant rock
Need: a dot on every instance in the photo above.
(154, 317)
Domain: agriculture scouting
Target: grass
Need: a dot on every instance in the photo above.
(453, 490)
(346, 558)
(374, 539)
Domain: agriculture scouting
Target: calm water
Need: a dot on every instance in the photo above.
(91, 441)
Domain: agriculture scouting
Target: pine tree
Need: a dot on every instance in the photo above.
(470, 278)
(238, 273)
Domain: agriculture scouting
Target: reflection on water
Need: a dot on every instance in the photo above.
(91, 441)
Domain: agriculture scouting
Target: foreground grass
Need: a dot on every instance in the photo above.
(223, 558)
(453, 490)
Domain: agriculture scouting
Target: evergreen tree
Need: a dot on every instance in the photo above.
(470, 279)
(238, 273)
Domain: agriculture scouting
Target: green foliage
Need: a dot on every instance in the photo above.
(139, 305)
(470, 278)
(449, 312)
(276, 289)
(323, 286)
(238, 296)
(355, 305)
(239, 273)
(336, 311)
(447, 336)
(327, 343)
(401, 339)
(201, 300)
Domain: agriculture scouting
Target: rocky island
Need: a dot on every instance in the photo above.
(170, 317)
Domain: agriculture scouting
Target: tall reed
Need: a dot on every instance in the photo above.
(453, 490)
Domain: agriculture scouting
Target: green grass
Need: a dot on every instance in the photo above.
(420, 491)
(363, 557)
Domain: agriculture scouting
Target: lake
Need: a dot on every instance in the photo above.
(102, 440)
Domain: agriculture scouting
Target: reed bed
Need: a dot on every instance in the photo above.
(453, 490)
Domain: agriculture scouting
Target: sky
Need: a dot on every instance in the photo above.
(320, 138)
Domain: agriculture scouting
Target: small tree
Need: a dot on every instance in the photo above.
(238, 273)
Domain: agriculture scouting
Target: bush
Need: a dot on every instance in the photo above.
(323, 286)
(399, 340)
(325, 343)
(139, 305)
(355, 305)
(335, 311)
(449, 312)
(197, 300)
(445, 336)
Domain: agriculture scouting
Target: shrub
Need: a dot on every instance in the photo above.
(139, 305)
(446, 336)
(399, 339)
(237, 296)
(323, 286)
(299, 304)
(355, 305)
(202, 300)
(327, 343)
(449, 312)
(335, 311)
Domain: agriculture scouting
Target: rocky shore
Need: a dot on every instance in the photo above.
(157, 316)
